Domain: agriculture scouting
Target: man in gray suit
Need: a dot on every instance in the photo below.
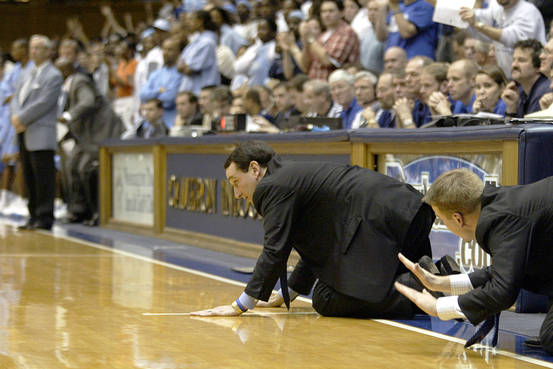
(34, 110)
(90, 120)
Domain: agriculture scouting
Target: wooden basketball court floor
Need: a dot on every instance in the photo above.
(68, 303)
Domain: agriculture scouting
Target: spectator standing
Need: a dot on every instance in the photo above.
(123, 80)
(163, 84)
(256, 61)
(409, 25)
(506, 22)
(34, 111)
(336, 46)
(198, 60)
(8, 146)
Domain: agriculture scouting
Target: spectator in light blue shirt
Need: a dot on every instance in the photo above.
(163, 84)
(198, 60)
(19, 51)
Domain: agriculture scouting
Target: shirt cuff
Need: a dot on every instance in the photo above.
(460, 284)
(247, 301)
(448, 308)
(293, 294)
(67, 116)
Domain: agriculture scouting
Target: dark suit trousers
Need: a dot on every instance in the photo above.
(329, 302)
(546, 331)
(39, 173)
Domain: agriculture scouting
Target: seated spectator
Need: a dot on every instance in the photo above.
(364, 85)
(319, 101)
(343, 92)
(458, 44)
(523, 94)
(284, 104)
(411, 111)
(153, 125)
(400, 85)
(433, 80)
(336, 46)
(384, 117)
(255, 120)
(395, 59)
(546, 58)
(256, 61)
(460, 84)
(409, 25)
(163, 84)
(219, 105)
(489, 85)
(477, 50)
(296, 90)
(188, 114)
(198, 60)
(266, 94)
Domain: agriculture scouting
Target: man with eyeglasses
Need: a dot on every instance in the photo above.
(546, 58)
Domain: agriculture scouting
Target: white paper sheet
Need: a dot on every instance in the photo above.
(447, 12)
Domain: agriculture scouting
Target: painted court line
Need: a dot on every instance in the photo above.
(236, 283)
(269, 313)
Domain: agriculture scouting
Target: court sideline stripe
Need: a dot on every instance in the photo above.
(241, 284)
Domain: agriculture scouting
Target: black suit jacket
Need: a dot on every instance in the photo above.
(516, 228)
(347, 223)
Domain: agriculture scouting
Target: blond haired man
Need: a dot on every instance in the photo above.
(514, 224)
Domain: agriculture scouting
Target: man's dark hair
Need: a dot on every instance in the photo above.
(193, 99)
(339, 3)
(250, 151)
(533, 45)
(157, 103)
(253, 95)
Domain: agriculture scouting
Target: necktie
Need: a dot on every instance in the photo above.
(485, 328)
(26, 89)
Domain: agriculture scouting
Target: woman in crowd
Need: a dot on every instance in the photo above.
(489, 84)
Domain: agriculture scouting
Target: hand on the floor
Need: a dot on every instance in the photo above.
(429, 280)
(225, 310)
(424, 300)
(274, 301)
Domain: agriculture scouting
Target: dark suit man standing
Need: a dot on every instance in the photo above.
(513, 224)
(34, 109)
(347, 223)
(90, 120)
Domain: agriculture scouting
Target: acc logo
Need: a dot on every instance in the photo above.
(420, 173)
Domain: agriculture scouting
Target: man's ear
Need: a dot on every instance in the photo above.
(254, 167)
(458, 218)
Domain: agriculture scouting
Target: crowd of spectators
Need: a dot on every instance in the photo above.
(370, 63)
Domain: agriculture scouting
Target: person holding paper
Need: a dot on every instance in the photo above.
(506, 22)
